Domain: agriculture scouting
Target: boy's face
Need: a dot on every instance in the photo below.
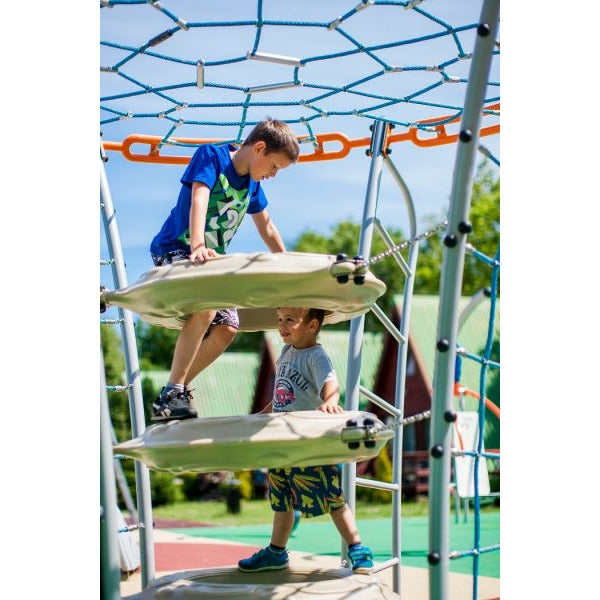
(293, 328)
(264, 166)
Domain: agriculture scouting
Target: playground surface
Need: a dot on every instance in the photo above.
(315, 545)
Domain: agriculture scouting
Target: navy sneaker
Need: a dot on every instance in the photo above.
(264, 560)
(361, 558)
(173, 405)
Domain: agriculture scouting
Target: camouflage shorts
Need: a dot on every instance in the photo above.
(225, 316)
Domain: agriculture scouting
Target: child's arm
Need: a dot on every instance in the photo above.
(198, 250)
(267, 409)
(267, 231)
(330, 395)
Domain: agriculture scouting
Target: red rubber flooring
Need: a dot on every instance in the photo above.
(181, 557)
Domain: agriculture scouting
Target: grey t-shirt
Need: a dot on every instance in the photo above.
(299, 378)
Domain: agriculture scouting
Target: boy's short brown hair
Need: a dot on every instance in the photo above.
(277, 136)
(315, 313)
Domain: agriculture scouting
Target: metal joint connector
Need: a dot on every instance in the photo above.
(334, 24)
(364, 4)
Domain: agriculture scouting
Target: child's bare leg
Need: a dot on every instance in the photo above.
(346, 525)
(187, 344)
(211, 348)
(283, 522)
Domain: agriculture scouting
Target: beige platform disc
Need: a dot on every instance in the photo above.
(296, 584)
(293, 439)
(254, 283)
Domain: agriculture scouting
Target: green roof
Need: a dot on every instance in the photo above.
(336, 345)
(225, 388)
(472, 335)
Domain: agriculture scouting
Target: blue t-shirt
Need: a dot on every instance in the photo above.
(231, 197)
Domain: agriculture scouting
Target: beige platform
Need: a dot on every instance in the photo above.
(300, 439)
(414, 582)
(254, 283)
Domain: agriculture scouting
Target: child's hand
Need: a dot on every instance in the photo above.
(331, 407)
(202, 254)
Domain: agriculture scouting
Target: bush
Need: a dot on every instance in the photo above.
(383, 472)
(165, 488)
(246, 487)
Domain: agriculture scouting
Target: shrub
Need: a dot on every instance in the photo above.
(383, 472)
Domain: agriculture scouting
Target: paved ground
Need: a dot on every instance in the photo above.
(176, 551)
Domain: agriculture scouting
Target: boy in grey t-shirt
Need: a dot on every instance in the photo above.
(305, 380)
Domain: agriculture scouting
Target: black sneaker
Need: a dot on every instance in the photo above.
(173, 405)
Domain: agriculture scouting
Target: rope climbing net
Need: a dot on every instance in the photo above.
(185, 74)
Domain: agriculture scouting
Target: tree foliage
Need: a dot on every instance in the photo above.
(484, 216)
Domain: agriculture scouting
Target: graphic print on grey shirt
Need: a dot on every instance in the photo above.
(299, 378)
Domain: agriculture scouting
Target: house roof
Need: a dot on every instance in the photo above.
(472, 335)
(225, 388)
(336, 345)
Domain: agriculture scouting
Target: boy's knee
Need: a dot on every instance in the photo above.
(226, 333)
(204, 316)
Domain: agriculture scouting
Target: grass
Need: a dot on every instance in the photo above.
(255, 512)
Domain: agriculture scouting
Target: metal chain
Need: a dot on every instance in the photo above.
(406, 243)
(418, 417)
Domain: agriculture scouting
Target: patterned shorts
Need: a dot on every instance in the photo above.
(225, 316)
(313, 491)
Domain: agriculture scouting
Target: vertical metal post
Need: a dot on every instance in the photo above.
(401, 376)
(122, 481)
(451, 282)
(357, 324)
(136, 405)
(110, 574)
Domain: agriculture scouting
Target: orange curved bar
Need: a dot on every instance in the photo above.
(319, 153)
(461, 389)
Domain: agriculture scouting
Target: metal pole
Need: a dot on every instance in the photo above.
(122, 481)
(136, 404)
(442, 413)
(413, 254)
(110, 573)
(357, 324)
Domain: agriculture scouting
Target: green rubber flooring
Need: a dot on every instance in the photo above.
(319, 536)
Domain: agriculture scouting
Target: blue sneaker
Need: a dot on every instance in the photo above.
(264, 560)
(361, 558)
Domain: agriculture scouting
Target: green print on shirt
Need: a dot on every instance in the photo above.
(226, 209)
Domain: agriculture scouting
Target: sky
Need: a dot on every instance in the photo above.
(51, 246)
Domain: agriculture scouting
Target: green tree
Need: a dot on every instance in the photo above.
(344, 239)
(114, 367)
(485, 237)
(155, 345)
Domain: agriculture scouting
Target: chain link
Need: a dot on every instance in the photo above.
(406, 243)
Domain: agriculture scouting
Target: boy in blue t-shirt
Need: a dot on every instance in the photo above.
(220, 185)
